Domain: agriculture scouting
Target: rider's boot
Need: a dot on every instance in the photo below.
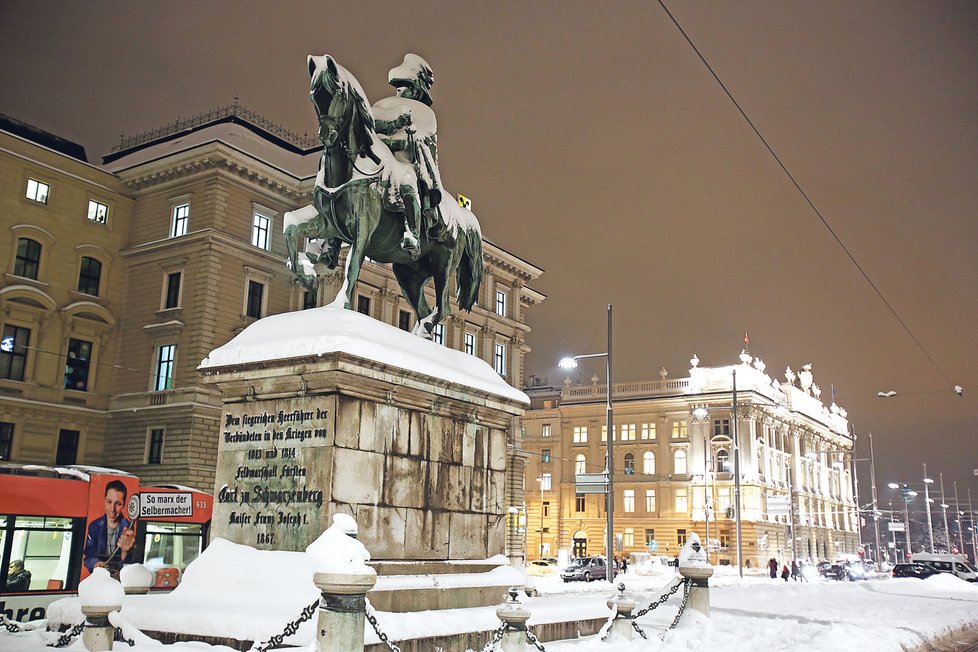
(411, 243)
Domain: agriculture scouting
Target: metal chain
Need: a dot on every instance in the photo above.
(682, 607)
(660, 601)
(9, 625)
(65, 638)
(290, 629)
(639, 630)
(531, 637)
(372, 619)
(119, 636)
(497, 637)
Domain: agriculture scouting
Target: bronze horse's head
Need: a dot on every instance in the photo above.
(344, 117)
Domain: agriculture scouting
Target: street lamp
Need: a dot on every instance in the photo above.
(571, 363)
(540, 480)
(927, 501)
(907, 494)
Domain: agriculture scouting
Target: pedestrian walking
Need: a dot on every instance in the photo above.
(784, 572)
(794, 570)
(772, 568)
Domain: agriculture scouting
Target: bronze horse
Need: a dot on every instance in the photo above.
(350, 206)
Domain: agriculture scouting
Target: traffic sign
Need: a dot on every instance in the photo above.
(777, 505)
(591, 483)
(653, 545)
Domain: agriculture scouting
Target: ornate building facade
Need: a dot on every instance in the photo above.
(121, 277)
(675, 447)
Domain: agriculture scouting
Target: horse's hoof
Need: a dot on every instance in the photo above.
(411, 247)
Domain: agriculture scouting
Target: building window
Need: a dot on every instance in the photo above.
(628, 538)
(181, 216)
(256, 296)
(545, 430)
(648, 431)
(648, 463)
(164, 367)
(580, 464)
(13, 352)
(721, 427)
(501, 303)
(579, 503)
(154, 452)
(682, 506)
(404, 320)
(628, 500)
(545, 456)
(650, 501)
(499, 359)
(308, 300)
(629, 464)
(678, 429)
(439, 334)
(97, 211)
(77, 363)
(28, 260)
(628, 432)
(649, 536)
(546, 508)
(546, 481)
(37, 191)
(363, 305)
(172, 297)
(67, 447)
(681, 537)
(723, 460)
(89, 276)
(260, 231)
(469, 343)
(580, 434)
(6, 441)
(679, 462)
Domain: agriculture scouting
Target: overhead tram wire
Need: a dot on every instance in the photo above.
(811, 204)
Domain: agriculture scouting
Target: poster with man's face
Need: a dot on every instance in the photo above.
(110, 538)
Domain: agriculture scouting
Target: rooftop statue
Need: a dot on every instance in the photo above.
(379, 190)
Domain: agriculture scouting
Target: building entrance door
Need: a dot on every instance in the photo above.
(580, 547)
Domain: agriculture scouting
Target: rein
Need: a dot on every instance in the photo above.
(353, 161)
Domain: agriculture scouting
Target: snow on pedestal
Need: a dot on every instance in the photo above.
(696, 568)
(136, 578)
(99, 594)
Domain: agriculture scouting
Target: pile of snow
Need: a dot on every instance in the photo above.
(100, 590)
(319, 331)
(336, 551)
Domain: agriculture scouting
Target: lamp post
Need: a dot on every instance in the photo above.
(957, 506)
(876, 512)
(907, 495)
(930, 524)
(736, 456)
(570, 363)
(540, 480)
(944, 506)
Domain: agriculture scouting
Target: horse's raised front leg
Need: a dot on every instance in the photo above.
(298, 267)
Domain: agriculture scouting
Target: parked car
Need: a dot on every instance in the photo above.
(913, 570)
(842, 572)
(585, 569)
(956, 565)
(541, 567)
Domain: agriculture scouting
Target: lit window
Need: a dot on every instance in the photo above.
(629, 464)
(580, 434)
(681, 537)
(650, 500)
(154, 451)
(628, 432)
(648, 431)
(172, 297)
(260, 231)
(470, 343)
(678, 429)
(67, 447)
(546, 481)
(501, 303)
(6, 441)
(439, 333)
(628, 497)
(181, 216)
(723, 460)
(648, 463)
(97, 211)
(499, 359)
(545, 430)
(580, 464)
(679, 462)
(37, 191)
(77, 364)
(89, 276)
(164, 367)
(682, 505)
(545, 456)
(13, 352)
(628, 537)
(723, 498)
(28, 259)
(721, 427)
(256, 296)
(604, 432)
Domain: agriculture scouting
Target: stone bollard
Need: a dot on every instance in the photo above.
(514, 616)
(694, 566)
(624, 606)
(342, 610)
(136, 579)
(99, 595)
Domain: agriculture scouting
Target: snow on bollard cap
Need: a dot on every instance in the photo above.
(339, 560)
(136, 578)
(692, 559)
(100, 594)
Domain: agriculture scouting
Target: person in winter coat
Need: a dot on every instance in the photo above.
(784, 572)
(772, 568)
(794, 570)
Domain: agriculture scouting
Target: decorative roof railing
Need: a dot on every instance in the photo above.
(305, 141)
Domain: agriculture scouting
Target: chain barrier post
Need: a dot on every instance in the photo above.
(622, 606)
(99, 632)
(514, 617)
(342, 610)
(698, 578)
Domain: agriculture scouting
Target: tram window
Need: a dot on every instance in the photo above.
(172, 545)
(44, 547)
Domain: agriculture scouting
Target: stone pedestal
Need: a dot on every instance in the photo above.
(699, 591)
(99, 632)
(623, 606)
(418, 461)
(514, 615)
(342, 610)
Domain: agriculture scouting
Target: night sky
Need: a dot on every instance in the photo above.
(596, 144)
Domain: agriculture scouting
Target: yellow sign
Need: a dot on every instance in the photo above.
(465, 202)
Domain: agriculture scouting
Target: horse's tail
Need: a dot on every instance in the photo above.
(468, 277)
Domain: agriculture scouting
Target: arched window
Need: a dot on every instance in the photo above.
(28, 258)
(89, 276)
(580, 464)
(648, 463)
(629, 464)
(679, 462)
(723, 460)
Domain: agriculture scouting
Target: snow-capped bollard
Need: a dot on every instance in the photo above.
(514, 617)
(343, 578)
(136, 579)
(623, 606)
(694, 567)
(99, 595)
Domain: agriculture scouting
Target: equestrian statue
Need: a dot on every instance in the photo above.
(379, 191)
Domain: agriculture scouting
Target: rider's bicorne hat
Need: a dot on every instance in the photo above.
(416, 72)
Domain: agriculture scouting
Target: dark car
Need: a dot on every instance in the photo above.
(585, 569)
(841, 572)
(913, 570)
